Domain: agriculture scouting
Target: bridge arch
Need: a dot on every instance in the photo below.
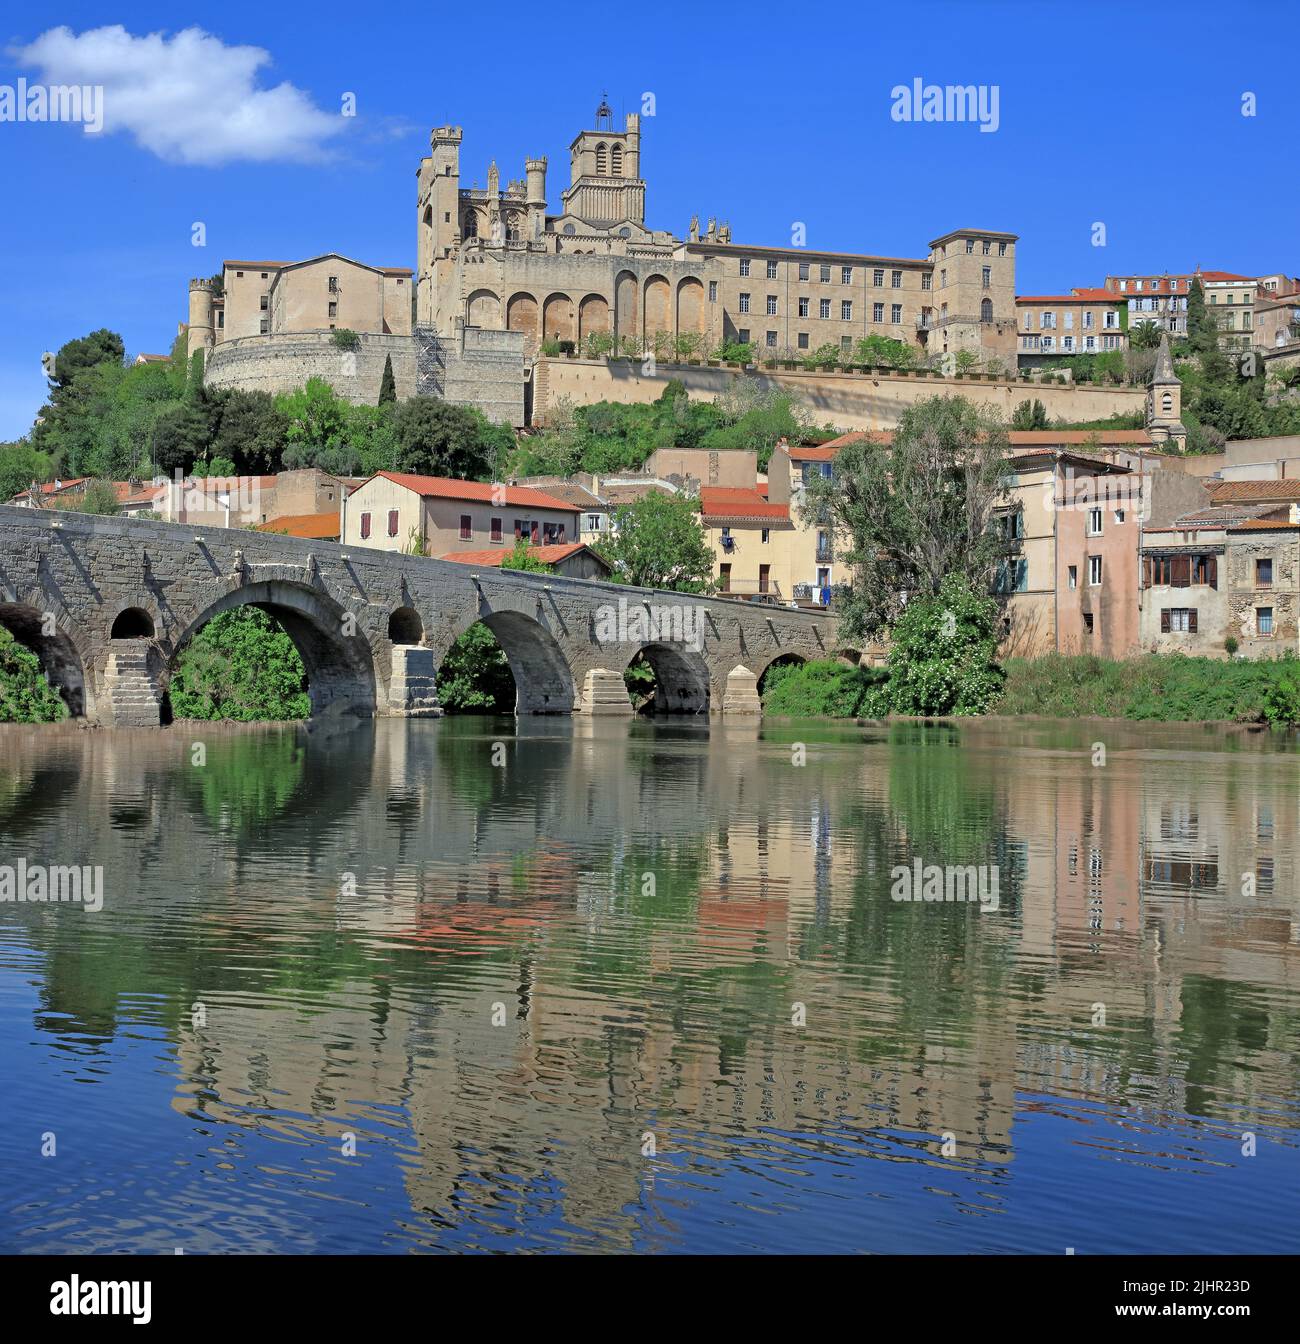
(681, 678)
(786, 659)
(132, 623)
(543, 678)
(63, 660)
(334, 649)
(405, 626)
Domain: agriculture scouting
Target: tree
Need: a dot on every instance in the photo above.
(522, 558)
(251, 432)
(387, 384)
(25, 694)
(20, 465)
(942, 652)
(1145, 336)
(180, 435)
(475, 675)
(435, 438)
(1202, 331)
(240, 666)
(1029, 415)
(910, 515)
(659, 542)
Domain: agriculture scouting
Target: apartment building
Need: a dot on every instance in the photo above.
(752, 540)
(1230, 299)
(1161, 299)
(1082, 322)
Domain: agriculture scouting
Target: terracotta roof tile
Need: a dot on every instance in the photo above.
(549, 554)
(319, 526)
(718, 502)
(479, 492)
(1226, 492)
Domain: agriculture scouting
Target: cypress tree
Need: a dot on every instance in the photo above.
(388, 384)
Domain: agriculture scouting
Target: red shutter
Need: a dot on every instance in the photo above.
(1191, 621)
(496, 529)
(1164, 620)
(1182, 571)
(365, 526)
(392, 522)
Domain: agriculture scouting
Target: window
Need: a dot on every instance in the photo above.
(823, 307)
(1047, 321)
(803, 270)
(365, 526)
(744, 303)
(985, 245)
(713, 291)
(846, 275)
(1094, 571)
(1094, 522)
(771, 305)
(770, 339)
(943, 279)
(986, 311)
(803, 340)
(1074, 576)
(1264, 620)
(1178, 620)
(825, 275)
(846, 344)
(803, 307)
(1087, 622)
(392, 522)
(334, 284)
(265, 302)
(970, 246)
(1012, 575)
(771, 270)
(986, 276)
(593, 522)
(926, 278)
(1088, 320)
(743, 336)
(846, 310)
(896, 313)
(1264, 573)
(334, 309)
(744, 265)
(1067, 342)
(878, 276)
(466, 527)
(616, 160)
(877, 312)
(1118, 515)
(264, 326)
(1112, 319)
(765, 535)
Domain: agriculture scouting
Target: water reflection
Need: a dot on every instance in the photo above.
(504, 956)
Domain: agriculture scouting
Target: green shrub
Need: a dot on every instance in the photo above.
(825, 688)
(475, 676)
(942, 655)
(240, 666)
(346, 339)
(25, 695)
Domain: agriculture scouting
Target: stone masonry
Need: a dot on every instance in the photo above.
(123, 596)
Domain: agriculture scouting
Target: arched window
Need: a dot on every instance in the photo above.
(569, 230)
(616, 160)
(986, 310)
(471, 225)
(602, 160)
(625, 232)
(1167, 402)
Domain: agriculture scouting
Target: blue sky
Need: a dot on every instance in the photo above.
(1129, 115)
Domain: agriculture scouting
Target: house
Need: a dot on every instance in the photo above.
(571, 560)
(435, 515)
(751, 539)
(1228, 571)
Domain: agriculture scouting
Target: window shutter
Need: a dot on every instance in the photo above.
(365, 526)
(392, 522)
(1212, 570)
(1182, 571)
(1191, 621)
(1146, 571)
(1164, 620)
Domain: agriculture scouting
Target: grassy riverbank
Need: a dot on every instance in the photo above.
(1169, 688)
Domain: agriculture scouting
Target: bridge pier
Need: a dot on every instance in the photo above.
(413, 687)
(741, 696)
(604, 692)
(131, 695)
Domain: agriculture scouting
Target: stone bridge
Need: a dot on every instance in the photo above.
(108, 603)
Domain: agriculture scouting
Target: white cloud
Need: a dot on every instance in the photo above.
(189, 98)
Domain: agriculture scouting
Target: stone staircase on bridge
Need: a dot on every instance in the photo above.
(130, 688)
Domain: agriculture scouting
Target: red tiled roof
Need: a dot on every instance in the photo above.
(1079, 296)
(1224, 275)
(318, 526)
(824, 452)
(549, 554)
(717, 501)
(1109, 438)
(480, 492)
(1262, 525)
(1241, 492)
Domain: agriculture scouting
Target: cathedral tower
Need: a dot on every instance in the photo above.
(605, 164)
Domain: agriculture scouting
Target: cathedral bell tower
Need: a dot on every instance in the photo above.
(606, 185)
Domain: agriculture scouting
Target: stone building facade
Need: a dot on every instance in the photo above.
(496, 258)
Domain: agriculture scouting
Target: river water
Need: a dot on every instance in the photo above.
(574, 985)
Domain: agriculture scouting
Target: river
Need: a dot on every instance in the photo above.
(474, 984)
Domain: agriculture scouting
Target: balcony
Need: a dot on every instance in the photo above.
(825, 554)
(763, 592)
(812, 594)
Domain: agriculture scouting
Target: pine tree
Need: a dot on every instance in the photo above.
(388, 384)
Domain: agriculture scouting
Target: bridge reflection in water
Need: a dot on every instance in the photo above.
(502, 952)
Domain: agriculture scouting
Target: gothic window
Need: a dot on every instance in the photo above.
(602, 160)
(616, 160)
(471, 225)
(986, 310)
